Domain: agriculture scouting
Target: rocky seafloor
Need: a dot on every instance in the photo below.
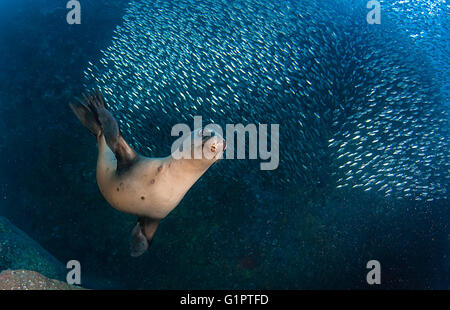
(19, 252)
(30, 280)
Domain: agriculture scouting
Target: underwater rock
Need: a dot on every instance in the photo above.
(30, 280)
(19, 251)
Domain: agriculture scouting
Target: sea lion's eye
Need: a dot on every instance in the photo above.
(206, 133)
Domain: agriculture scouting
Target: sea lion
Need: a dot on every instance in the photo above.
(147, 187)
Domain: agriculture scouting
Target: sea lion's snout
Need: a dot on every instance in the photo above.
(213, 145)
(218, 146)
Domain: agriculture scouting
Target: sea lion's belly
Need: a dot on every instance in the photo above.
(146, 190)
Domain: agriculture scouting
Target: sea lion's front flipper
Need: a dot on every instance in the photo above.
(94, 108)
(142, 235)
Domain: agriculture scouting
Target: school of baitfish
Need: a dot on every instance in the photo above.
(358, 102)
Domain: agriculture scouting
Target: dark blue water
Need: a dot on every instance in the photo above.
(249, 232)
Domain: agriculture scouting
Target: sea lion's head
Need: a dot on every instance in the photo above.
(213, 144)
(202, 148)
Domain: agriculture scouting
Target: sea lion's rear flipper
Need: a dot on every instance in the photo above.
(139, 243)
(86, 116)
(92, 113)
(142, 235)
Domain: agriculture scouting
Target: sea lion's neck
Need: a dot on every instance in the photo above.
(186, 171)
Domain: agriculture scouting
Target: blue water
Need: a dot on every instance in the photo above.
(245, 232)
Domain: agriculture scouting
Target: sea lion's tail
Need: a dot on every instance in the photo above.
(142, 235)
(92, 113)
